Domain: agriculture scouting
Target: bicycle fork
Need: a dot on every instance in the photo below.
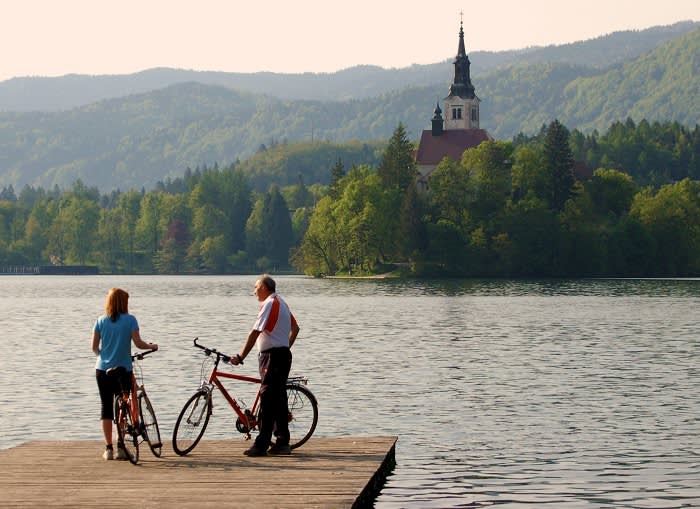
(203, 405)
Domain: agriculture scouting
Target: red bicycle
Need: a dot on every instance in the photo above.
(194, 417)
(133, 413)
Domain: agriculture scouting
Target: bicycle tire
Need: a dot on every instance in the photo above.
(303, 414)
(149, 424)
(192, 422)
(127, 433)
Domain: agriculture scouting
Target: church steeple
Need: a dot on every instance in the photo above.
(462, 104)
(462, 83)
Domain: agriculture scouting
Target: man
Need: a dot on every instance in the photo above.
(274, 332)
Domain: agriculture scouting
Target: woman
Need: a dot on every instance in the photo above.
(111, 342)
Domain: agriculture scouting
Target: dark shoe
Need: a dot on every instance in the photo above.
(280, 450)
(254, 452)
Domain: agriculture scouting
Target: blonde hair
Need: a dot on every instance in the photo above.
(117, 303)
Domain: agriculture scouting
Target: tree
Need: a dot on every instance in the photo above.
(414, 237)
(319, 251)
(397, 168)
(213, 254)
(149, 226)
(528, 175)
(559, 164)
(337, 173)
(128, 208)
(79, 218)
(170, 259)
(611, 192)
(269, 229)
(489, 165)
(672, 216)
(451, 191)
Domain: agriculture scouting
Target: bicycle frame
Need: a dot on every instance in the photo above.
(247, 418)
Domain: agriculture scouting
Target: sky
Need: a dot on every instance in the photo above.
(58, 37)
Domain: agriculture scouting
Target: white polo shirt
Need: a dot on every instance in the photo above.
(274, 322)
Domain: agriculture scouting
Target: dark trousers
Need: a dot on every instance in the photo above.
(110, 385)
(274, 364)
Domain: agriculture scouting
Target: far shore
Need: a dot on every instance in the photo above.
(386, 275)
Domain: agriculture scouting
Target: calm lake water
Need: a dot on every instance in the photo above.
(581, 393)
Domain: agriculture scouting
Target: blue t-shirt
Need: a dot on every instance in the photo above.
(115, 341)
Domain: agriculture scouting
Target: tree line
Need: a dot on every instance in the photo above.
(518, 208)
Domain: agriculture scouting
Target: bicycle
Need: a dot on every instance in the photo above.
(194, 417)
(133, 414)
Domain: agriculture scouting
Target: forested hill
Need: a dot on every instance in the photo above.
(360, 82)
(138, 140)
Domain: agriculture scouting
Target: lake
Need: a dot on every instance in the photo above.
(542, 393)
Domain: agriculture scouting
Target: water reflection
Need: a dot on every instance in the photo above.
(571, 393)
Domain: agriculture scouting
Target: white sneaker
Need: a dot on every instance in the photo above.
(121, 453)
(108, 454)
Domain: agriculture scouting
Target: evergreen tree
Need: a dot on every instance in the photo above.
(397, 168)
(559, 165)
(269, 230)
(337, 173)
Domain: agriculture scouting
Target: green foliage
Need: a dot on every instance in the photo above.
(506, 209)
(672, 217)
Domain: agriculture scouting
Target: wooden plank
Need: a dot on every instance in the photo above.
(325, 473)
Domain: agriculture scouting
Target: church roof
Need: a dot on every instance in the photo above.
(451, 143)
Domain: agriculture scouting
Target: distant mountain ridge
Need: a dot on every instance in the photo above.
(359, 82)
(134, 141)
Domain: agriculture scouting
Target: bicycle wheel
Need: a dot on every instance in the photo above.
(303, 414)
(149, 424)
(127, 432)
(192, 422)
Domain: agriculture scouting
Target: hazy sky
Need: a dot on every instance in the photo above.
(57, 37)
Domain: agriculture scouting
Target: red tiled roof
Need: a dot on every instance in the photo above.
(451, 143)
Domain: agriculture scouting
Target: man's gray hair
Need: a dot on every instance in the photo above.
(269, 283)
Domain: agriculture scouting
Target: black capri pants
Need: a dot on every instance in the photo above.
(110, 385)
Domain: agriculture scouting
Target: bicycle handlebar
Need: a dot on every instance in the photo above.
(141, 355)
(209, 351)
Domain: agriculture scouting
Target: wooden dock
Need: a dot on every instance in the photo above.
(339, 472)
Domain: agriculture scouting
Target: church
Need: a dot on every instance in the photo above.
(459, 130)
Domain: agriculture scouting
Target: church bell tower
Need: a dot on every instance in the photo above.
(461, 106)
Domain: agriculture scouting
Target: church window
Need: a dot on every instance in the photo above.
(475, 115)
(456, 113)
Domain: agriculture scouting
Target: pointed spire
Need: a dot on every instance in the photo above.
(437, 113)
(437, 122)
(462, 83)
